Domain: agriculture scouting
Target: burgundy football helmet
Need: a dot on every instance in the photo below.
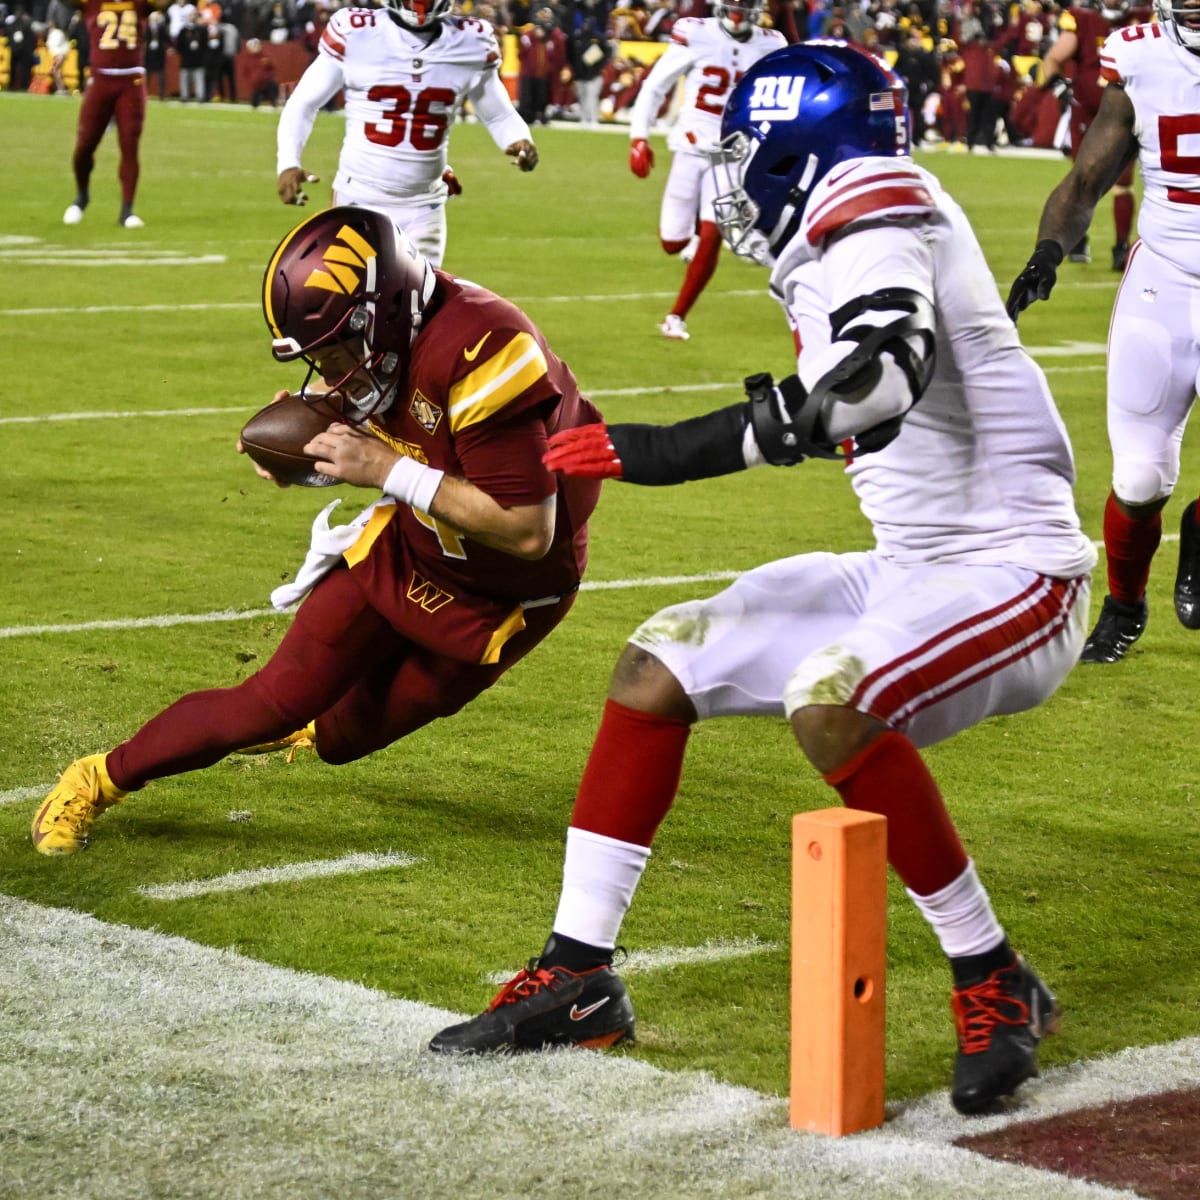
(348, 276)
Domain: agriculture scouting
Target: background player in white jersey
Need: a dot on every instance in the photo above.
(1148, 111)
(972, 603)
(710, 55)
(405, 69)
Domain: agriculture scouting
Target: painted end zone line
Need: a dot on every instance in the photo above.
(238, 881)
(132, 1050)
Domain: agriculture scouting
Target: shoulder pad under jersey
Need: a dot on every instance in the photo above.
(1126, 49)
(865, 188)
(689, 30)
(466, 40)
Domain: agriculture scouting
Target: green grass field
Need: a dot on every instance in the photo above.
(1081, 816)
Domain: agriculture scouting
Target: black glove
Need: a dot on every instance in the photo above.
(1062, 89)
(1037, 281)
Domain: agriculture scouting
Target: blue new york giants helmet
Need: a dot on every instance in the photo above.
(791, 119)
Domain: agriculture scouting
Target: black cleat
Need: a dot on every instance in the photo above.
(1081, 252)
(1119, 626)
(540, 1007)
(1120, 256)
(1000, 1022)
(1187, 577)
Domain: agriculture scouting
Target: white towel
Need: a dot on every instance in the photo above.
(327, 547)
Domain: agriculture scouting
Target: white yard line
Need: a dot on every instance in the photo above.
(16, 795)
(140, 1065)
(666, 957)
(240, 881)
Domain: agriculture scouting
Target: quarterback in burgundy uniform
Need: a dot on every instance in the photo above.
(970, 605)
(1148, 114)
(1082, 31)
(710, 55)
(115, 92)
(471, 557)
(405, 70)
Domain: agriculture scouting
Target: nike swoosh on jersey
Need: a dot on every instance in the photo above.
(472, 354)
(578, 1014)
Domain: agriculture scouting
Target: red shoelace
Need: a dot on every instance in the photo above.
(980, 1008)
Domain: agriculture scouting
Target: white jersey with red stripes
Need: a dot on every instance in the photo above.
(1162, 81)
(982, 469)
(712, 62)
(401, 94)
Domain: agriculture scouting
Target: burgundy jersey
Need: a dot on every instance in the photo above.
(1092, 28)
(116, 35)
(483, 393)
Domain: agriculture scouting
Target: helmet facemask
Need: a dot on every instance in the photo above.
(738, 17)
(419, 15)
(348, 279)
(737, 215)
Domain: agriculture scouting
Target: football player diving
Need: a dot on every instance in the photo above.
(471, 557)
(972, 602)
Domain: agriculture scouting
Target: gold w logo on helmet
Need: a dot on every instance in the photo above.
(345, 261)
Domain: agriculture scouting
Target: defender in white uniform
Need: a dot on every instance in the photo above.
(1148, 111)
(971, 604)
(406, 69)
(710, 55)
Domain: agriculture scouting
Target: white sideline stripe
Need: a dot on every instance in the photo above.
(310, 1085)
(247, 614)
(240, 881)
(103, 309)
(15, 795)
(717, 950)
(1069, 350)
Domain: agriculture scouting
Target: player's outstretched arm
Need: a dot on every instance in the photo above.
(772, 426)
(1108, 147)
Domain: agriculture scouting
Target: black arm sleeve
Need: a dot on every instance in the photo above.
(698, 448)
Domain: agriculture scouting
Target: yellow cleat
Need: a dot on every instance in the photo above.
(302, 739)
(83, 792)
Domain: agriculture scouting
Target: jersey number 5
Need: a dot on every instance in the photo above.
(421, 120)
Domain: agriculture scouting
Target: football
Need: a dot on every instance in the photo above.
(276, 436)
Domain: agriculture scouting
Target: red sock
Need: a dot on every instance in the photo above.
(889, 777)
(1123, 215)
(632, 774)
(700, 269)
(1130, 545)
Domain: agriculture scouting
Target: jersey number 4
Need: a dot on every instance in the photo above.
(421, 120)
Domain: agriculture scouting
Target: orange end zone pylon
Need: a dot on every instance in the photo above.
(839, 948)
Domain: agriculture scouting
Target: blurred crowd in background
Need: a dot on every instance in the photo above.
(972, 66)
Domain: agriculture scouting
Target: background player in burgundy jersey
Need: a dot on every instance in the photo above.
(115, 92)
(1071, 69)
(472, 556)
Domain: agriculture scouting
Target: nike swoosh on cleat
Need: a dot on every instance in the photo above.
(472, 354)
(578, 1014)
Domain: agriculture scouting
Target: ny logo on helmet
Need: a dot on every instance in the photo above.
(346, 259)
(776, 98)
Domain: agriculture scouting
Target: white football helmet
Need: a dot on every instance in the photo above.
(419, 14)
(1181, 20)
(738, 17)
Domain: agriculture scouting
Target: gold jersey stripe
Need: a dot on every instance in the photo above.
(512, 624)
(494, 383)
(374, 527)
